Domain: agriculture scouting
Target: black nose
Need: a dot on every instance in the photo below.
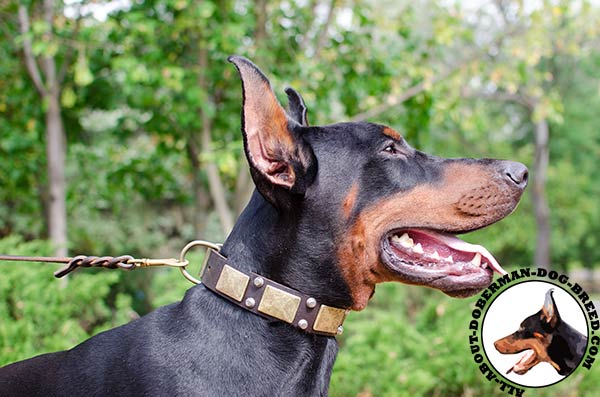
(516, 173)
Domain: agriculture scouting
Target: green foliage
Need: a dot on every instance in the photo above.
(21, 153)
(42, 314)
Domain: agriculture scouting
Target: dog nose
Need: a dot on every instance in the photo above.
(515, 173)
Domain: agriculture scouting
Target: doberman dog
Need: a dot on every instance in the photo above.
(337, 209)
(545, 337)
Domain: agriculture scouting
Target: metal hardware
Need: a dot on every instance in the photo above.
(311, 303)
(170, 262)
(250, 302)
(184, 251)
(259, 282)
(279, 304)
(232, 283)
(329, 319)
(303, 324)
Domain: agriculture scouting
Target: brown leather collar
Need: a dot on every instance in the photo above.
(269, 299)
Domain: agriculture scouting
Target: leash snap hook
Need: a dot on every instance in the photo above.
(196, 243)
(170, 262)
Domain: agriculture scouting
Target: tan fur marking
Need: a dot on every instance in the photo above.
(350, 200)
(392, 133)
(510, 345)
(277, 119)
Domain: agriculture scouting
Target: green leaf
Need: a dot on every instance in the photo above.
(68, 98)
(83, 75)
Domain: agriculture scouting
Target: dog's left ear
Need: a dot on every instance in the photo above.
(549, 313)
(279, 159)
(297, 107)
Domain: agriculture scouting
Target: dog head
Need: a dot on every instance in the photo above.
(533, 337)
(372, 207)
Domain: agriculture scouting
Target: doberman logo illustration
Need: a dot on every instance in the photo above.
(545, 337)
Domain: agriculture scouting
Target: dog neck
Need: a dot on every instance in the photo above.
(278, 245)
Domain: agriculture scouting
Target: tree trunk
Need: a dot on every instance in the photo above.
(55, 148)
(55, 155)
(260, 32)
(201, 201)
(322, 35)
(215, 184)
(55, 199)
(540, 204)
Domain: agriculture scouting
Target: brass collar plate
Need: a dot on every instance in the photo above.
(270, 299)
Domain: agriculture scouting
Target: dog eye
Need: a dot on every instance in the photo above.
(391, 149)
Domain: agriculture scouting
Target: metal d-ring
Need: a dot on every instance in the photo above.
(190, 245)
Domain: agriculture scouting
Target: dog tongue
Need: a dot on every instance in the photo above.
(520, 366)
(460, 245)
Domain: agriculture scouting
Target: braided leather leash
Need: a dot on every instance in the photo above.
(110, 262)
(124, 262)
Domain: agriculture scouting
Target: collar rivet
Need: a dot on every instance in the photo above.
(259, 282)
(340, 330)
(303, 324)
(250, 302)
(311, 303)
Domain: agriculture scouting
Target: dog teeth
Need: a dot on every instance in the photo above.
(484, 265)
(435, 255)
(476, 259)
(449, 259)
(403, 240)
(418, 248)
(406, 241)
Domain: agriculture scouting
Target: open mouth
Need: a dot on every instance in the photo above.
(439, 260)
(524, 363)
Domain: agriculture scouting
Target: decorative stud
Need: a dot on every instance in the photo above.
(340, 330)
(259, 282)
(250, 302)
(303, 324)
(328, 319)
(311, 303)
(232, 283)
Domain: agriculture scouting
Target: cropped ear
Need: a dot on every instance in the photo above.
(278, 158)
(297, 107)
(549, 312)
